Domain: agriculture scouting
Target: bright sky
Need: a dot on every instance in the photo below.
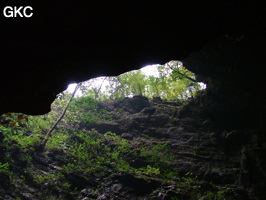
(150, 70)
(71, 88)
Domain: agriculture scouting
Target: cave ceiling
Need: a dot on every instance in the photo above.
(66, 42)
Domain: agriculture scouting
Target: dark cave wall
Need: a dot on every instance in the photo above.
(233, 69)
(234, 103)
(66, 42)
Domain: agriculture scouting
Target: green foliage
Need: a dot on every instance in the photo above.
(189, 179)
(133, 82)
(173, 81)
(84, 151)
(47, 178)
(69, 168)
(219, 195)
(5, 172)
(159, 154)
(195, 150)
(90, 154)
(4, 168)
(176, 81)
(57, 141)
(122, 145)
(19, 139)
(162, 161)
(149, 170)
(116, 154)
(83, 110)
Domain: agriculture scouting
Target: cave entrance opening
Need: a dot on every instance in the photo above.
(101, 132)
(170, 81)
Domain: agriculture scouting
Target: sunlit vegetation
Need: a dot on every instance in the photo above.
(85, 151)
(171, 81)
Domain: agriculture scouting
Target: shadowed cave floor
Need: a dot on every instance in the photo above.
(195, 161)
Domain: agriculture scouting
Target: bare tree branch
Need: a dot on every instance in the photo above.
(49, 133)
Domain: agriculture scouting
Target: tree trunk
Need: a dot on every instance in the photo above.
(99, 89)
(49, 133)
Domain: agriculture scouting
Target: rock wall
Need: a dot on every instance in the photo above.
(66, 42)
(234, 72)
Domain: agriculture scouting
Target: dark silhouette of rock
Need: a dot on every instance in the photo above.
(133, 105)
(71, 42)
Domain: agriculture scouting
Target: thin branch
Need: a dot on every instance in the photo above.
(99, 89)
(49, 133)
(193, 80)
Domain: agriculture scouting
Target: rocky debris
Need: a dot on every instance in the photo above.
(133, 105)
(209, 162)
(104, 127)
